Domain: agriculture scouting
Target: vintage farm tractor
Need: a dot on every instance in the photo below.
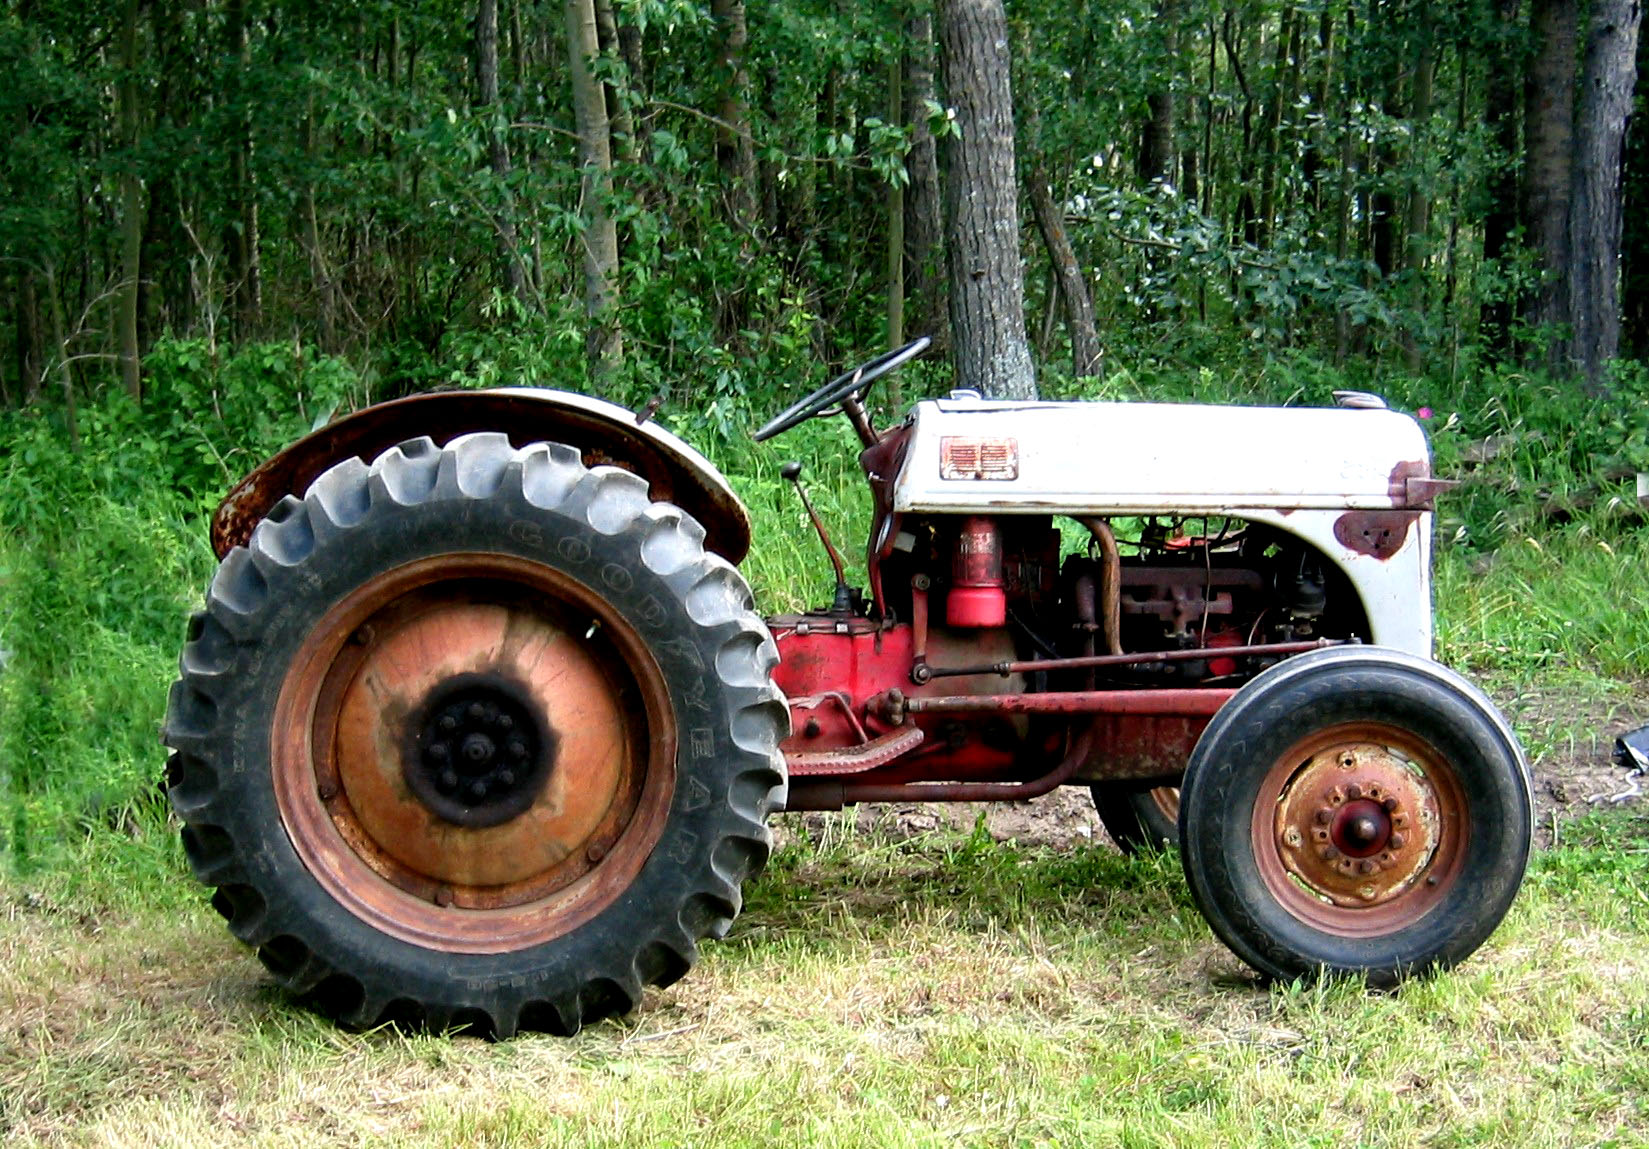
(479, 727)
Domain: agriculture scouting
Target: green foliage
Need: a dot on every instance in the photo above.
(102, 556)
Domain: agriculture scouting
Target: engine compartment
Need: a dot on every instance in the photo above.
(1032, 623)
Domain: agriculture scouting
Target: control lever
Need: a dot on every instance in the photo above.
(791, 472)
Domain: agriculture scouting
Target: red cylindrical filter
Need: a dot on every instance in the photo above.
(976, 596)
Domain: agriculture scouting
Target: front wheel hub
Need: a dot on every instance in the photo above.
(1362, 822)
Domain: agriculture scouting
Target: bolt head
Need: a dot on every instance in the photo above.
(1353, 792)
(1391, 805)
(1396, 841)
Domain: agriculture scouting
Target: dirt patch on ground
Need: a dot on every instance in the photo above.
(1569, 736)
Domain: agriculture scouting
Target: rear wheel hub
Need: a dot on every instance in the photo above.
(480, 752)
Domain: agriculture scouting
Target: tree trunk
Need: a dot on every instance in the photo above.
(30, 338)
(1634, 240)
(604, 341)
(241, 240)
(1073, 286)
(1505, 66)
(735, 148)
(1418, 225)
(326, 291)
(1548, 119)
(1594, 209)
(987, 283)
(60, 344)
(498, 148)
(131, 206)
(926, 306)
(1271, 130)
(1157, 150)
(618, 99)
(895, 221)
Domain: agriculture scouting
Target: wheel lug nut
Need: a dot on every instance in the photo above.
(505, 722)
(449, 779)
(1396, 841)
(1354, 792)
(1328, 853)
(1324, 815)
(479, 789)
(476, 710)
(440, 752)
(1367, 866)
(518, 749)
(1391, 805)
(506, 777)
(448, 723)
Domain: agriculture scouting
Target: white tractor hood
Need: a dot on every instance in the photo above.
(1161, 457)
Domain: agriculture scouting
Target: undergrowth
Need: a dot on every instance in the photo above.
(103, 551)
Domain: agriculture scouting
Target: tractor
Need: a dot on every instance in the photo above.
(479, 728)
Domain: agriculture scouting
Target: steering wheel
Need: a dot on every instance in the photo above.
(849, 383)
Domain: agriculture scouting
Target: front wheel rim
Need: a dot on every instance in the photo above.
(542, 851)
(1359, 830)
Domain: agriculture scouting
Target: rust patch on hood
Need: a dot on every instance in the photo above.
(1378, 534)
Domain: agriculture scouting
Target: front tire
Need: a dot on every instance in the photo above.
(476, 737)
(1356, 810)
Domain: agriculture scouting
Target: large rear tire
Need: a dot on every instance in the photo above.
(1139, 819)
(1356, 810)
(476, 737)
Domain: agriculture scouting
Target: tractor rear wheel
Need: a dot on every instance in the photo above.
(476, 737)
(1139, 819)
(1356, 810)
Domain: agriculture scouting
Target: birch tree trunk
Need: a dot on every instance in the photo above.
(604, 341)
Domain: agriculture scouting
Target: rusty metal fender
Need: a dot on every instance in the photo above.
(604, 432)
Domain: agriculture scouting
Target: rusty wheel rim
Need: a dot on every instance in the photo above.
(1359, 829)
(544, 698)
(1166, 800)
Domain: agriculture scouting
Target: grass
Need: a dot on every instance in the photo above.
(942, 990)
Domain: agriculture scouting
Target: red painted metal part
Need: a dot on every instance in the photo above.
(1188, 703)
(832, 668)
(526, 416)
(977, 597)
(1138, 659)
(834, 793)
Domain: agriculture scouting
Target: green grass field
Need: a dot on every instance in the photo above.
(942, 990)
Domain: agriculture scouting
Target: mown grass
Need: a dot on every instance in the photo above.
(942, 990)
